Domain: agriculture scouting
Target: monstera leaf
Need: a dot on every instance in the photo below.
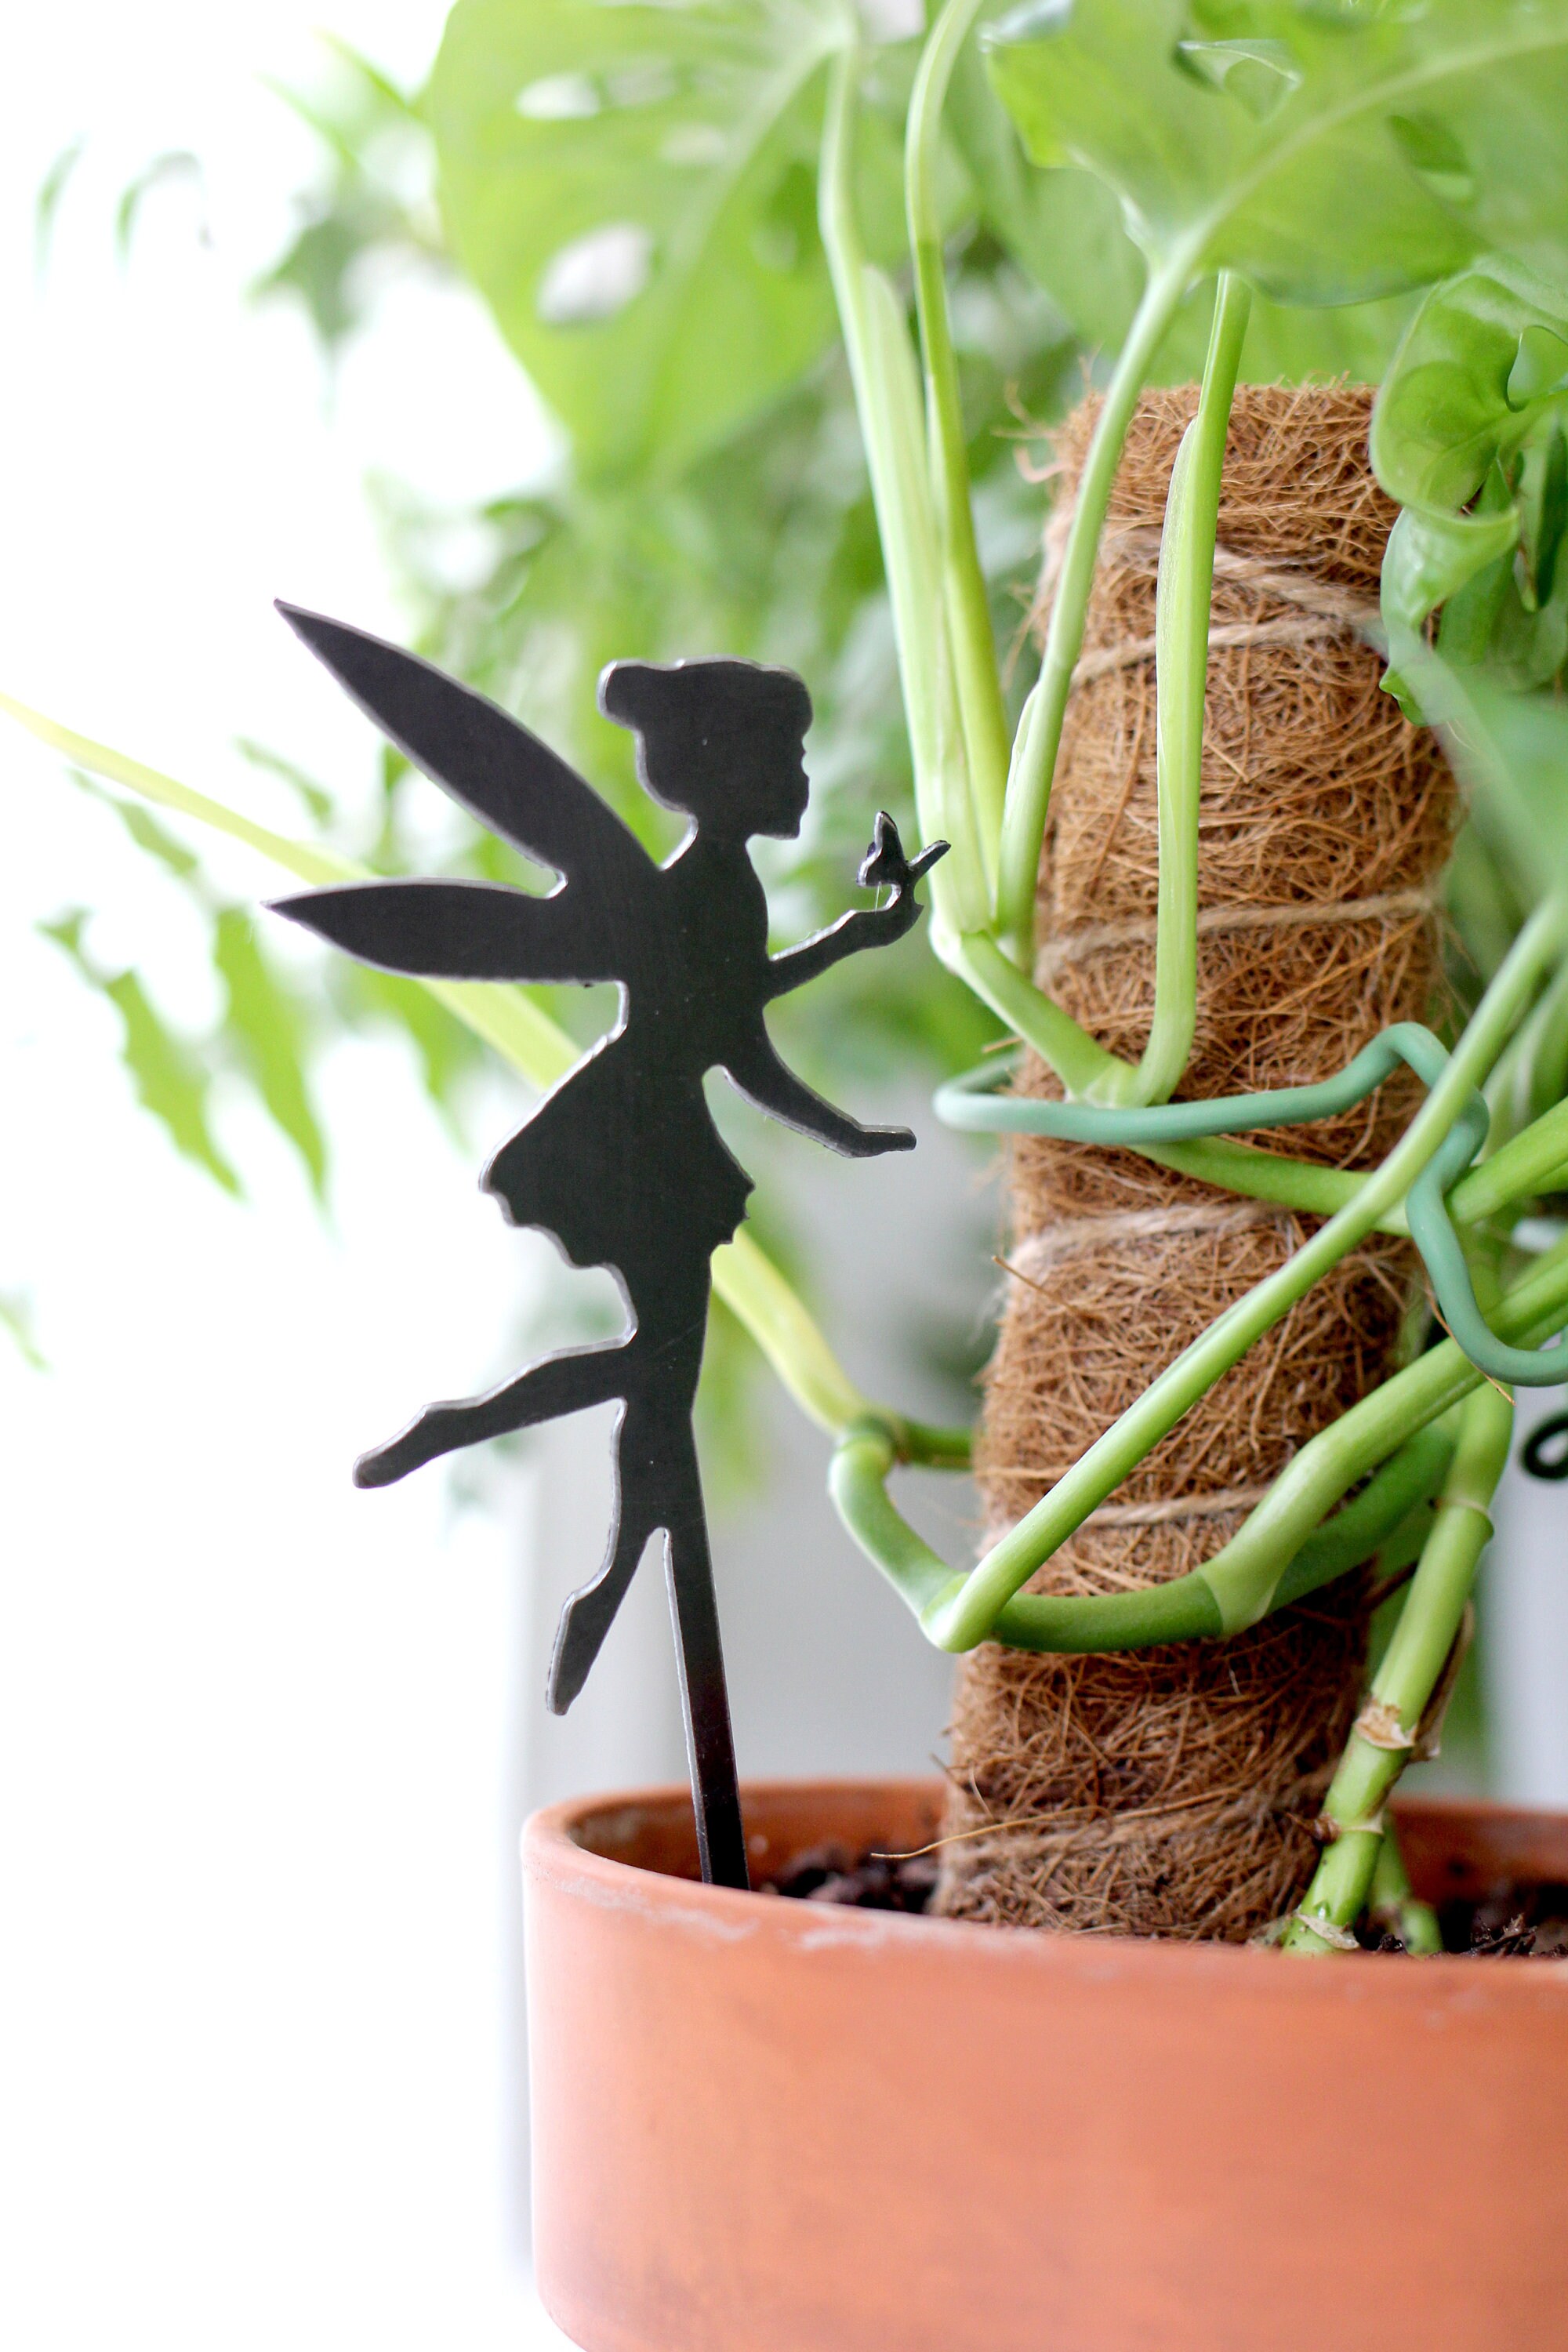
(1469, 436)
(633, 188)
(1511, 751)
(1329, 151)
(1066, 228)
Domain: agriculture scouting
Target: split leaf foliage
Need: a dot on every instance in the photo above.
(1470, 436)
(1327, 152)
(634, 191)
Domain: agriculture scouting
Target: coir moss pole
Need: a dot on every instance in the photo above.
(1172, 1791)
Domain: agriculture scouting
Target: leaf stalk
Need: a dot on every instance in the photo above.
(1183, 600)
(1386, 1732)
(1038, 739)
(981, 709)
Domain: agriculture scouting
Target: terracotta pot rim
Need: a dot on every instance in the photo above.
(778, 2124)
(556, 1851)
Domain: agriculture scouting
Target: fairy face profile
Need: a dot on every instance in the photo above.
(722, 741)
(621, 1162)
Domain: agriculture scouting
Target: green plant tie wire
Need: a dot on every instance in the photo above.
(973, 1104)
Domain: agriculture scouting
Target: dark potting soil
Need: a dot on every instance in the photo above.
(1520, 1920)
(875, 1882)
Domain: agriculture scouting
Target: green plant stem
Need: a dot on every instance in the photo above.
(947, 655)
(1393, 1904)
(964, 1615)
(1182, 622)
(1186, 1137)
(888, 404)
(1040, 727)
(1528, 1163)
(1533, 1162)
(1515, 1095)
(1288, 1546)
(1448, 1265)
(1547, 1070)
(744, 1277)
(888, 401)
(1259, 1175)
(970, 1102)
(1380, 1745)
(981, 711)
(1525, 1164)
(754, 1289)
(1079, 1061)
(1181, 651)
(1186, 1609)
(1244, 1575)
(1187, 573)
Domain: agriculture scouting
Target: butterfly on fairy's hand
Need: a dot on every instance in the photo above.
(885, 864)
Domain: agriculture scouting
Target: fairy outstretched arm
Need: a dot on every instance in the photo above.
(754, 1067)
(883, 865)
(463, 930)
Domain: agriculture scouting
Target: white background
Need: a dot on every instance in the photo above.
(258, 2046)
(265, 1741)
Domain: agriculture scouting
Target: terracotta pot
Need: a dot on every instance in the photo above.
(774, 2126)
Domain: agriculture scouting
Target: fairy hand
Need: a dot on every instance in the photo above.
(884, 866)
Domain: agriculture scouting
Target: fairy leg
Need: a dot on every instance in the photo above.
(659, 1385)
(591, 1611)
(660, 1486)
(667, 1456)
(560, 1384)
(710, 1744)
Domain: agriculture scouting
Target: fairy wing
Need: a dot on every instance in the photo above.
(439, 930)
(489, 763)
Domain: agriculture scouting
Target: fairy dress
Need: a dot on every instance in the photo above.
(622, 1161)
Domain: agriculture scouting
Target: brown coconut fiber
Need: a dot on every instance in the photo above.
(1172, 1791)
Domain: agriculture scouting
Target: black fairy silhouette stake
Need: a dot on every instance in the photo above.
(621, 1162)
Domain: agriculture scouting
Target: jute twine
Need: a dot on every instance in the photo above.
(1172, 1791)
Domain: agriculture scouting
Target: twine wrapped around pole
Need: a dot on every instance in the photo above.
(1172, 1791)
